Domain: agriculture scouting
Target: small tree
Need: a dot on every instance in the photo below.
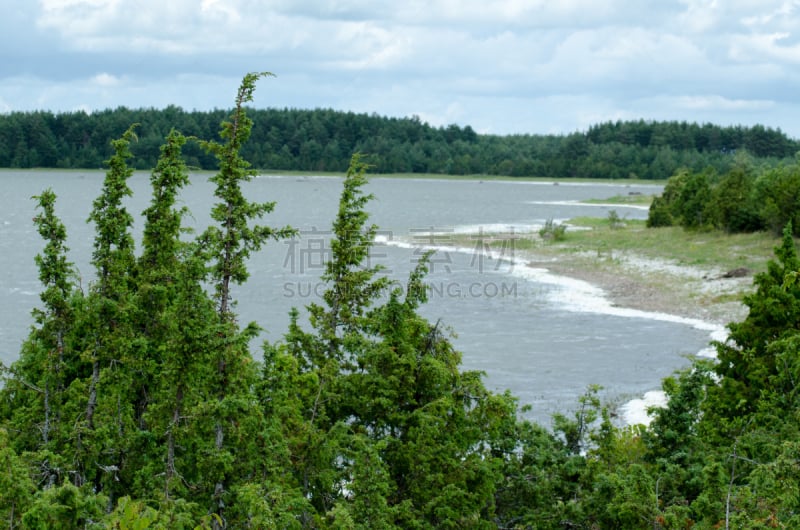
(552, 231)
(614, 220)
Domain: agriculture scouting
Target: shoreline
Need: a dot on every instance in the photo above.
(629, 284)
(658, 286)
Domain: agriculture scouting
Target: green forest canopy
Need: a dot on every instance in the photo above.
(324, 140)
(136, 401)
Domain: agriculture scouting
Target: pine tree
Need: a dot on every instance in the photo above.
(105, 428)
(381, 394)
(746, 363)
(75, 365)
(40, 377)
(353, 287)
(230, 244)
(175, 322)
(437, 422)
(16, 487)
(318, 359)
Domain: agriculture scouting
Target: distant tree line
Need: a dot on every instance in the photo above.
(324, 140)
(744, 199)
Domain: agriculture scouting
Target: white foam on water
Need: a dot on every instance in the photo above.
(299, 178)
(718, 335)
(570, 293)
(497, 228)
(655, 187)
(381, 239)
(488, 229)
(576, 295)
(591, 204)
(400, 243)
(634, 412)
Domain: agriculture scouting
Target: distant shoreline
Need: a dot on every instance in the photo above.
(337, 174)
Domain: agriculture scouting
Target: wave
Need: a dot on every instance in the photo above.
(298, 178)
(570, 294)
(591, 205)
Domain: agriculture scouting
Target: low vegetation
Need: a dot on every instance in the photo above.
(615, 235)
(639, 199)
(711, 249)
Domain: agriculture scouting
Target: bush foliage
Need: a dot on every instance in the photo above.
(744, 199)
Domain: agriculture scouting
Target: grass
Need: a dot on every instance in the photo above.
(703, 249)
(637, 200)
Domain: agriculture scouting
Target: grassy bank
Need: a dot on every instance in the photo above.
(477, 177)
(634, 200)
(589, 237)
(712, 250)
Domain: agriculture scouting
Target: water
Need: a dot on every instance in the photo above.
(543, 337)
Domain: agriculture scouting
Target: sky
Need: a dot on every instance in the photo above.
(500, 66)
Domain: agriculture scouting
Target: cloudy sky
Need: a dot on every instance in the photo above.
(501, 66)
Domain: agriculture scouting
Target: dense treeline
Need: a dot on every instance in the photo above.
(324, 140)
(745, 199)
(137, 403)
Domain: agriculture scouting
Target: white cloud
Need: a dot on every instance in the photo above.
(715, 102)
(370, 46)
(779, 15)
(105, 80)
(213, 9)
(700, 15)
(504, 66)
(73, 18)
(759, 47)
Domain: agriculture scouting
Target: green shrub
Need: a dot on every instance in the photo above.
(553, 231)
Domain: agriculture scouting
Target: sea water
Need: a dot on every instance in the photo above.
(544, 337)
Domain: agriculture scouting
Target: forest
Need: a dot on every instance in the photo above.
(323, 140)
(137, 402)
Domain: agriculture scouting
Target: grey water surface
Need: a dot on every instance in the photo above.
(507, 325)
